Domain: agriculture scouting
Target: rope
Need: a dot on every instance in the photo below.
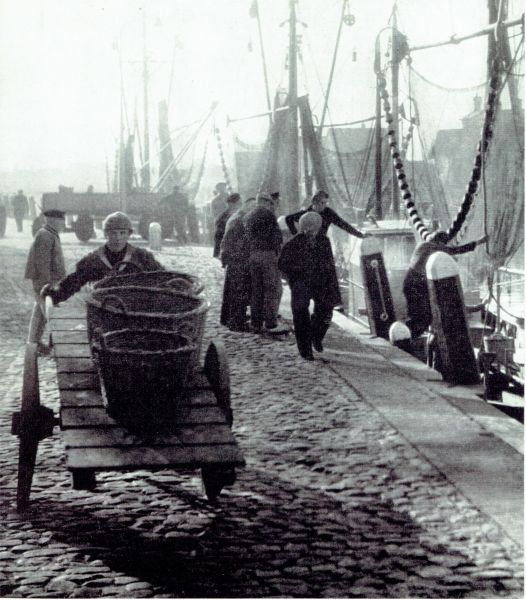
(471, 88)
(482, 148)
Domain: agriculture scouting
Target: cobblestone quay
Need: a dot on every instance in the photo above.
(333, 502)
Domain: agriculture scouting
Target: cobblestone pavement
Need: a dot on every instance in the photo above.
(333, 501)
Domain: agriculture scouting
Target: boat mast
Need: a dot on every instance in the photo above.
(293, 175)
(395, 68)
(378, 209)
(255, 5)
(123, 202)
(145, 172)
(331, 74)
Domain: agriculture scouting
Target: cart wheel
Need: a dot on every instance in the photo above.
(215, 478)
(29, 436)
(217, 373)
(83, 227)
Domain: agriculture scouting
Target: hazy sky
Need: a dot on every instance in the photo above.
(59, 74)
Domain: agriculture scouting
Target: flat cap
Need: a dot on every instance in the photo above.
(54, 212)
(233, 198)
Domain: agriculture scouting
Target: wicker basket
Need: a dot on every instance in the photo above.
(141, 370)
(179, 282)
(134, 307)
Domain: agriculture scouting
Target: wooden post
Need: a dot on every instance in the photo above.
(377, 292)
(457, 359)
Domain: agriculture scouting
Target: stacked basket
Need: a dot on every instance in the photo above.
(145, 330)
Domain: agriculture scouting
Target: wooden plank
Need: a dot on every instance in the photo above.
(67, 324)
(126, 458)
(75, 365)
(78, 381)
(72, 351)
(78, 398)
(70, 336)
(70, 397)
(82, 417)
(196, 435)
(69, 312)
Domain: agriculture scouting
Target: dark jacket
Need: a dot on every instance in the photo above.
(220, 226)
(329, 217)
(299, 260)
(263, 231)
(99, 264)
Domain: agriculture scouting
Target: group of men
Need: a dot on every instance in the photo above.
(249, 243)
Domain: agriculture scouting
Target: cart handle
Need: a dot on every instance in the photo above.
(117, 299)
(48, 307)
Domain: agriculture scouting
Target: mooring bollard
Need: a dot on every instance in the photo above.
(155, 236)
(378, 299)
(450, 326)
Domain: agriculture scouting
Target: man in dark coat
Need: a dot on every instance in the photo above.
(419, 316)
(264, 240)
(234, 257)
(233, 202)
(20, 209)
(301, 261)
(175, 207)
(45, 265)
(114, 256)
(329, 217)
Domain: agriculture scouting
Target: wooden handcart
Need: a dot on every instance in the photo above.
(200, 436)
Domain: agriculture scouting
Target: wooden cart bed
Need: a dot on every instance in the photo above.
(200, 437)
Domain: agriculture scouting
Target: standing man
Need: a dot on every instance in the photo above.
(174, 208)
(233, 203)
(234, 257)
(264, 242)
(20, 209)
(45, 265)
